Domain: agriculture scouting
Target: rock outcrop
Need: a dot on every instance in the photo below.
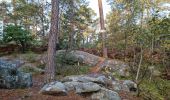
(54, 88)
(11, 77)
(105, 94)
(97, 86)
(115, 66)
(87, 87)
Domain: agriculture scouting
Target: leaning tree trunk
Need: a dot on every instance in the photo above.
(50, 68)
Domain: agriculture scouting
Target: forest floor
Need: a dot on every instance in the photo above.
(33, 93)
(38, 82)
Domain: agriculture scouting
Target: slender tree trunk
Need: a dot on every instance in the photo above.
(23, 45)
(14, 12)
(50, 68)
(42, 17)
(141, 56)
(139, 66)
(102, 28)
(71, 40)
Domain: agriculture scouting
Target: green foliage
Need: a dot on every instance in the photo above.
(150, 92)
(41, 66)
(28, 13)
(75, 20)
(155, 90)
(30, 56)
(68, 64)
(67, 58)
(17, 34)
(160, 29)
(1, 42)
(129, 26)
(4, 9)
(67, 70)
(37, 42)
(32, 70)
(27, 69)
(163, 87)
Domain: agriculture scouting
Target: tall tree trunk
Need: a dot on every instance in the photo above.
(14, 12)
(42, 17)
(50, 68)
(71, 40)
(102, 28)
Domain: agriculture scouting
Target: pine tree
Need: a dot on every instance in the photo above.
(50, 68)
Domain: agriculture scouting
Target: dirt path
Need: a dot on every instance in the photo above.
(97, 68)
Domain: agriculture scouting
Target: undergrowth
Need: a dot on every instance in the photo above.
(157, 89)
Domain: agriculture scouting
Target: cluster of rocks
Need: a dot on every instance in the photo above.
(97, 86)
(11, 77)
(118, 67)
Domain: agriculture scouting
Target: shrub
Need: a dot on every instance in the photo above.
(155, 90)
(67, 70)
(149, 92)
(17, 34)
(67, 58)
(32, 70)
(30, 56)
(41, 66)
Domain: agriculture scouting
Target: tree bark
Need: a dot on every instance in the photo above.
(14, 12)
(102, 28)
(50, 68)
(71, 40)
(139, 66)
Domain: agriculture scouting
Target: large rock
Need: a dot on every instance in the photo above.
(87, 87)
(100, 79)
(118, 67)
(119, 86)
(105, 94)
(54, 88)
(70, 86)
(81, 87)
(79, 81)
(10, 77)
(124, 85)
(73, 81)
(95, 85)
(131, 85)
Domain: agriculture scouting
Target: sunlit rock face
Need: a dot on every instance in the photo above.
(115, 66)
(11, 78)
